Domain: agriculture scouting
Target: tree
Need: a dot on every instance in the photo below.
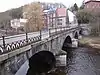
(83, 4)
(5, 24)
(95, 24)
(34, 15)
(83, 16)
(91, 18)
(73, 8)
(16, 13)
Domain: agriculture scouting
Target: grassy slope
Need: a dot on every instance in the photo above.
(91, 41)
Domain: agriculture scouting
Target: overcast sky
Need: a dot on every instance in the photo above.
(8, 4)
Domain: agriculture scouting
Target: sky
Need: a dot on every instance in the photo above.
(9, 4)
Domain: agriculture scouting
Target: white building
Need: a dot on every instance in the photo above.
(72, 19)
(15, 23)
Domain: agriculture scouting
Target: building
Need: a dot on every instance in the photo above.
(16, 23)
(56, 18)
(53, 16)
(92, 6)
(46, 19)
(61, 16)
(72, 19)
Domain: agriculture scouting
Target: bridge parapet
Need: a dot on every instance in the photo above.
(18, 44)
(24, 42)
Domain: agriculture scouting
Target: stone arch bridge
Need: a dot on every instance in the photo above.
(14, 55)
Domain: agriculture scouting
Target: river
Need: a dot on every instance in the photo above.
(83, 61)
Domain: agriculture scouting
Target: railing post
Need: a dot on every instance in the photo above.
(49, 33)
(26, 37)
(61, 29)
(40, 35)
(56, 30)
(4, 45)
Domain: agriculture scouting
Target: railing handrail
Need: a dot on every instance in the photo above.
(24, 42)
(8, 37)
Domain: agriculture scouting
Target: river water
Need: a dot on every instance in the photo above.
(80, 61)
(83, 61)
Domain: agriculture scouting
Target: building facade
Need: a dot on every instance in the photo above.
(61, 14)
(92, 6)
(16, 23)
(54, 15)
(56, 18)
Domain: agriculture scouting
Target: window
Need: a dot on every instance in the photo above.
(13, 23)
(59, 23)
(87, 6)
(59, 19)
(97, 6)
(93, 6)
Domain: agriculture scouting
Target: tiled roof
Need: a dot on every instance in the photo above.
(91, 1)
(61, 11)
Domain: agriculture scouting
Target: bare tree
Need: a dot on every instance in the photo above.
(83, 16)
(34, 14)
(95, 24)
(91, 18)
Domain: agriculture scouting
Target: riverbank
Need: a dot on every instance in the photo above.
(90, 41)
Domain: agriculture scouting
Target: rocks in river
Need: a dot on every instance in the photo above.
(40, 62)
(61, 60)
(58, 71)
(61, 52)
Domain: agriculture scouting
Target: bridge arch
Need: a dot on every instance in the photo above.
(40, 62)
(80, 31)
(67, 43)
(76, 35)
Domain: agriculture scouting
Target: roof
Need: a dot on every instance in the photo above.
(61, 11)
(92, 1)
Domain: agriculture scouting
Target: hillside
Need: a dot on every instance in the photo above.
(6, 16)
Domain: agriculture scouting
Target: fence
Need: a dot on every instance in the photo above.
(28, 38)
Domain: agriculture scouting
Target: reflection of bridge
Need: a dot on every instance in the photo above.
(20, 48)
